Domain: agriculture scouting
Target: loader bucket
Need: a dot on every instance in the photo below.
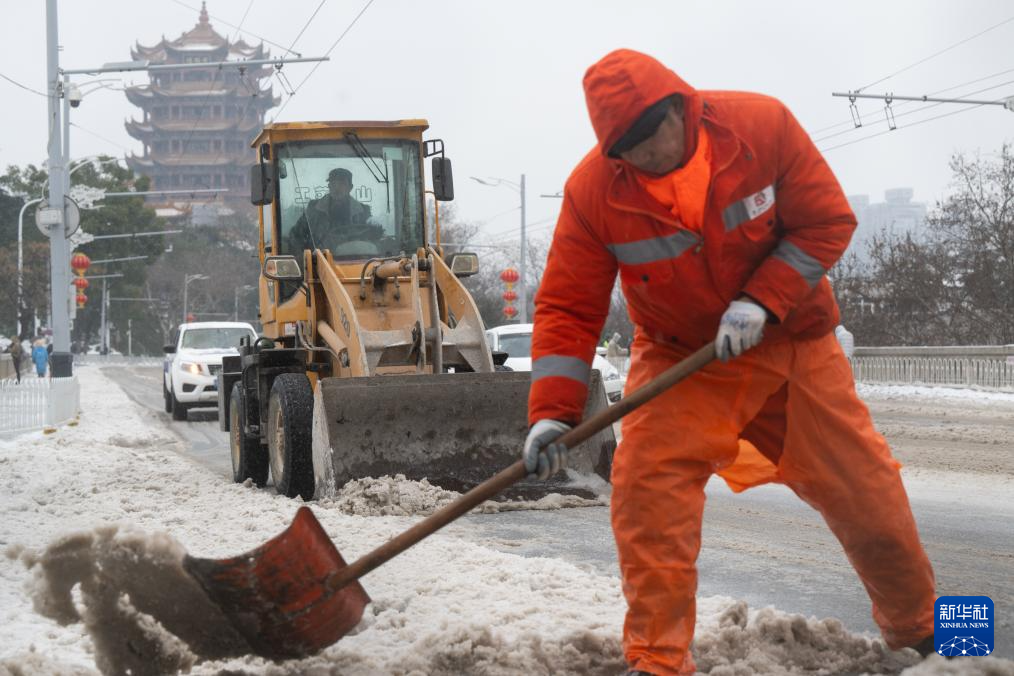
(453, 429)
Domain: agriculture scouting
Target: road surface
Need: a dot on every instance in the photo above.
(766, 546)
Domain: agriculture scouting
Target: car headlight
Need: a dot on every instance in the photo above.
(191, 367)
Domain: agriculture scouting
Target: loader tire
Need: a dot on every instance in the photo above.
(168, 400)
(249, 458)
(179, 411)
(290, 416)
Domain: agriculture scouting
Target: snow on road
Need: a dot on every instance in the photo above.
(112, 505)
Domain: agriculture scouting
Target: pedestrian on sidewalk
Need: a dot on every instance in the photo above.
(16, 355)
(41, 357)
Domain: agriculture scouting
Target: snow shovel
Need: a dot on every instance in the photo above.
(295, 595)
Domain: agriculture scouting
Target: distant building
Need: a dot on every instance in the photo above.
(197, 125)
(897, 213)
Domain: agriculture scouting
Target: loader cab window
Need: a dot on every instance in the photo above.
(359, 200)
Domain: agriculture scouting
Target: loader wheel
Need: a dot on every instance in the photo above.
(290, 414)
(168, 401)
(249, 458)
(179, 410)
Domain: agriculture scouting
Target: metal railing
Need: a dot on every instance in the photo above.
(980, 367)
(38, 403)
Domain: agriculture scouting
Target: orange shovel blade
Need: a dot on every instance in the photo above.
(277, 595)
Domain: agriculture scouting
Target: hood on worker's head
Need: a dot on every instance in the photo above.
(626, 83)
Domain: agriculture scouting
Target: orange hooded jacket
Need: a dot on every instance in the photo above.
(775, 221)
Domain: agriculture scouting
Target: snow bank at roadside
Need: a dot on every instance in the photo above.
(398, 496)
(112, 505)
(886, 392)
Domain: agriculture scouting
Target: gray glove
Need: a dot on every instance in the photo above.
(541, 455)
(741, 328)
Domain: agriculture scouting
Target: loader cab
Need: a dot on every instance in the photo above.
(354, 189)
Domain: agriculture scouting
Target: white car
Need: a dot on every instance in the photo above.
(516, 341)
(193, 359)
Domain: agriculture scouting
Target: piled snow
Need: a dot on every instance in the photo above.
(398, 496)
(878, 391)
(97, 518)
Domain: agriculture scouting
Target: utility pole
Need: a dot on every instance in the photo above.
(103, 338)
(523, 279)
(522, 286)
(59, 247)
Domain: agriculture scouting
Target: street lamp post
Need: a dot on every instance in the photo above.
(186, 282)
(21, 257)
(522, 277)
(235, 300)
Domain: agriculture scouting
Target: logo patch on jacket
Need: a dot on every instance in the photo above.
(748, 208)
(759, 202)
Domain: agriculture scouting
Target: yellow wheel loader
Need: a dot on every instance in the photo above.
(373, 359)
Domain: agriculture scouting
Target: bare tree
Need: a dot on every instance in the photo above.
(954, 283)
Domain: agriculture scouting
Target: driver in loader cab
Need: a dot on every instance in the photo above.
(334, 218)
(722, 219)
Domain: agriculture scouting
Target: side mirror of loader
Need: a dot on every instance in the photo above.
(443, 179)
(463, 264)
(262, 184)
(282, 269)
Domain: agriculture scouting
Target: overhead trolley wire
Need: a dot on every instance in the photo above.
(852, 126)
(326, 54)
(914, 124)
(917, 110)
(936, 54)
(232, 25)
(919, 62)
(307, 24)
(25, 87)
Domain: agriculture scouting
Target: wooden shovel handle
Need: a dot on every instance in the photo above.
(516, 472)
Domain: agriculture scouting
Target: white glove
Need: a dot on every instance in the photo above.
(541, 456)
(741, 328)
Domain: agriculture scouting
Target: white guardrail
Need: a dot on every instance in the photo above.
(985, 368)
(38, 403)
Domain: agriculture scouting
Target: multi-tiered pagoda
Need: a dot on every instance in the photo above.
(198, 124)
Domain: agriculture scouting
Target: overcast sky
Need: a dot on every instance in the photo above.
(501, 82)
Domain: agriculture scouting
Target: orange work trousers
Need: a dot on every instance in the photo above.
(795, 401)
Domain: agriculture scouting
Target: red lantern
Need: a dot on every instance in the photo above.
(80, 283)
(81, 299)
(510, 296)
(509, 311)
(510, 276)
(79, 263)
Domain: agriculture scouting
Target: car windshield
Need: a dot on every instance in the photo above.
(359, 198)
(214, 339)
(517, 345)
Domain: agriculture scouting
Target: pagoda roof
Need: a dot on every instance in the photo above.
(177, 162)
(142, 129)
(202, 38)
(142, 94)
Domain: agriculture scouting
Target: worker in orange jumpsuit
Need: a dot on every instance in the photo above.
(721, 219)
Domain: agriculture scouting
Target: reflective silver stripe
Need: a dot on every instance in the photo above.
(734, 215)
(749, 207)
(565, 367)
(654, 249)
(800, 261)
